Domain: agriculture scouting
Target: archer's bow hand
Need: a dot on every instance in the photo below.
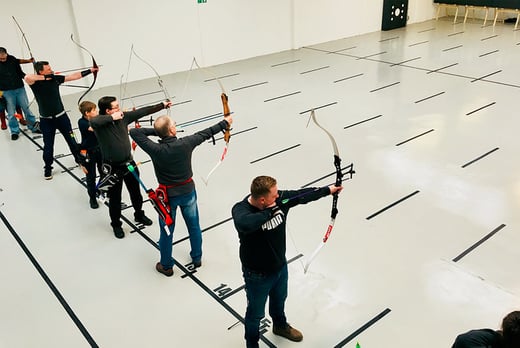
(167, 104)
(94, 69)
(228, 119)
(335, 189)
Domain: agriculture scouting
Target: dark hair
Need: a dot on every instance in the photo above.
(3, 50)
(38, 66)
(261, 186)
(511, 329)
(105, 103)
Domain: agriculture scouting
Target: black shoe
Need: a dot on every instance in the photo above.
(93, 203)
(288, 332)
(197, 264)
(166, 271)
(14, 136)
(143, 219)
(47, 173)
(118, 232)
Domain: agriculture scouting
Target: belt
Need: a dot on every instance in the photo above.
(54, 116)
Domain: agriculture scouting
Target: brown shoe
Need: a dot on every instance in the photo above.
(288, 332)
(167, 272)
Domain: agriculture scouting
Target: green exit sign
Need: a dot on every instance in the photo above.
(201, 1)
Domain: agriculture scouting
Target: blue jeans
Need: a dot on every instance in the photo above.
(18, 97)
(190, 213)
(258, 287)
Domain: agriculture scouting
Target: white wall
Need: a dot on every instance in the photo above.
(168, 34)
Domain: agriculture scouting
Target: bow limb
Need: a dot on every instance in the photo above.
(25, 40)
(94, 65)
(225, 111)
(159, 78)
(334, 209)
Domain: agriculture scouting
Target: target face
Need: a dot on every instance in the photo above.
(394, 14)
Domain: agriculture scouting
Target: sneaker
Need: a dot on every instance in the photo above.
(166, 271)
(14, 136)
(143, 219)
(118, 232)
(47, 173)
(93, 203)
(288, 332)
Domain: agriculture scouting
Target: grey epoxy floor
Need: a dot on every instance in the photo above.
(425, 242)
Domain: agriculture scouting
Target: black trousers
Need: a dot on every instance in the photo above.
(114, 193)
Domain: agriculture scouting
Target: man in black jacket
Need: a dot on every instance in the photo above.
(171, 159)
(260, 219)
(508, 337)
(111, 129)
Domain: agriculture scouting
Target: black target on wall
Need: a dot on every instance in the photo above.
(394, 14)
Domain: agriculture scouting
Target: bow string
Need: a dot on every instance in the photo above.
(159, 78)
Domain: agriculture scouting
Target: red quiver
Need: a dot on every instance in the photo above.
(159, 200)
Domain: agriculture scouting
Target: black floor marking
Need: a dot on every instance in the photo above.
(177, 264)
(235, 133)
(405, 61)
(432, 96)
(341, 50)
(204, 230)
(457, 33)
(380, 88)
(221, 77)
(182, 102)
(415, 137)
(480, 157)
(49, 283)
(451, 48)
(360, 122)
(489, 37)
(444, 67)
(249, 86)
(371, 55)
(232, 292)
(418, 43)
(393, 204)
(282, 96)
(350, 167)
(275, 153)
(318, 107)
(390, 38)
(363, 328)
(199, 120)
(289, 62)
(190, 274)
(141, 95)
(313, 70)
(483, 77)
(488, 53)
(482, 107)
(349, 77)
(425, 30)
(474, 246)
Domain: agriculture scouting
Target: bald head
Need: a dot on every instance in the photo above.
(163, 126)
